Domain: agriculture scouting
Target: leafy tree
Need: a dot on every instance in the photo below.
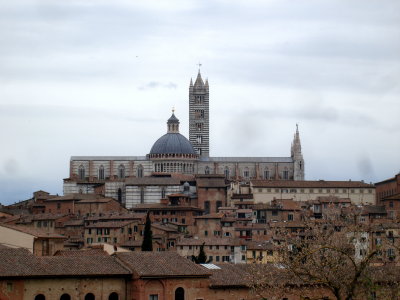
(147, 244)
(202, 257)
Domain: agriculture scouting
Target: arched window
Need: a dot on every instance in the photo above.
(101, 172)
(142, 195)
(300, 164)
(121, 171)
(140, 171)
(119, 195)
(113, 296)
(226, 172)
(179, 294)
(90, 296)
(266, 173)
(81, 172)
(40, 297)
(65, 297)
(207, 170)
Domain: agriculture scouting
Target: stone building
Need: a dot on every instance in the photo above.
(147, 179)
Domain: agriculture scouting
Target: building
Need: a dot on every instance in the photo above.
(387, 188)
(148, 178)
(264, 191)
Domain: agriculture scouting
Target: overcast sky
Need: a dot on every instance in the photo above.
(100, 78)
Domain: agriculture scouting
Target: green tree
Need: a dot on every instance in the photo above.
(202, 257)
(147, 244)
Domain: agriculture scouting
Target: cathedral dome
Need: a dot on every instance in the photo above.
(172, 143)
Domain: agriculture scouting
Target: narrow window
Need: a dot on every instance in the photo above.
(119, 195)
(101, 172)
(140, 171)
(81, 172)
(121, 171)
(226, 172)
(207, 170)
(266, 174)
(141, 195)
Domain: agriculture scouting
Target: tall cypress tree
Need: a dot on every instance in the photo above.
(202, 257)
(147, 244)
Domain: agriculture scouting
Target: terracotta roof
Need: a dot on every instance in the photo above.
(165, 227)
(393, 197)
(34, 232)
(25, 265)
(211, 216)
(373, 209)
(74, 223)
(210, 242)
(159, 206)
(161, 264)
(76, 196)
(82, 252)
(110, 224)
(310, 184)
(229, 276)
(39, 217)
(218, 182)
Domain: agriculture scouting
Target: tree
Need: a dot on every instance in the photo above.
(202, 257)
(147, 244)
(330, 258)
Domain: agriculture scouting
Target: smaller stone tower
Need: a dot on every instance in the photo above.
(298, 161)
(199, 117)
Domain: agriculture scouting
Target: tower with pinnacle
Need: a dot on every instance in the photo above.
(199, 117)
(297, 156)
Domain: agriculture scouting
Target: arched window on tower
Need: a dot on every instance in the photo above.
(121, 171)
(81, 172)
(140, 171)
(300, 164)
(101, 172)
(207, 170)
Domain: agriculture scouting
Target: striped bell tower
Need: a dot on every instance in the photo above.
(199, 117)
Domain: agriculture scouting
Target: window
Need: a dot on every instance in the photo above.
(142, 195)
(90, 296)
(58, 205)
(121, 171)
(290, 217)
(153, 297)
(65, 297)
(207, 170)
(119, 195)
(391, 204)
(163, 193)
(9, 286)
(285, 174)
(246, 173)
(101, 172)
(226, 172)
(40, 297)
(179, 294)
(217, 258)
(81, 172)
(206, 207)
(199, 126)
(266, 174)
(113, 296)
(218, 205)
(140, 171)
(205, 233)
(199, 139)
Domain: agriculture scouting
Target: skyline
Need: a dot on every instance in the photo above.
(85, 78)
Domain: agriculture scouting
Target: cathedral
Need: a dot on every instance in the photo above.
(174, 161)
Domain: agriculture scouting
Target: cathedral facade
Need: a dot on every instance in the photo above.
(174, 160)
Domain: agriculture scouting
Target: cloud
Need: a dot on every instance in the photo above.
(154, 85)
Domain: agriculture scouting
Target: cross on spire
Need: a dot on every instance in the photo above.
(199, 64)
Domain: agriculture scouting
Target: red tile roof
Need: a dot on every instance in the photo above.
(161, 264)
(34, 232)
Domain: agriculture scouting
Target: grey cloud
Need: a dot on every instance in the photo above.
(154, 84)
(11, 166)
